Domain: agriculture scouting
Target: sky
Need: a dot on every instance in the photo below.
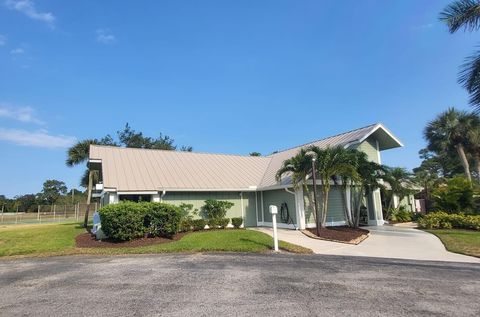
(220, 76)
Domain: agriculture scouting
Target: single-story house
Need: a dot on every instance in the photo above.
(248, 181)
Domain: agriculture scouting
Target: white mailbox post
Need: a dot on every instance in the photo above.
(274, 211)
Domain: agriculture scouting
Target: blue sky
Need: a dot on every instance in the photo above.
(221, 76)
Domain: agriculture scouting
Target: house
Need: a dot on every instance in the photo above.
(249, 182)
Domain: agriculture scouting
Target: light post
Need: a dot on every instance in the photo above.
(274, 211)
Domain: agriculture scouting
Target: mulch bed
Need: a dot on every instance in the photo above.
(339, 234)
(85, 240)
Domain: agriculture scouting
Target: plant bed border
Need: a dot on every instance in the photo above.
(86, 240)
(354, 241)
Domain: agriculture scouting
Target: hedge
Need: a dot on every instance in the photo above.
(237, 222)
(443, 220)
(129, 220)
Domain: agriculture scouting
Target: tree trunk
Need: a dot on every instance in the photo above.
(325, 206)
(89, 199)
(477, 166)
(464, 161)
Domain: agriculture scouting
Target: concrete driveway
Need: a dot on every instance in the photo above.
(384, 242)
(237, 285)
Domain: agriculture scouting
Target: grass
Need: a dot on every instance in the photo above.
(459, 241)
(59, 239)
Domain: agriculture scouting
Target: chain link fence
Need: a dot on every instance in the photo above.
(48, 213)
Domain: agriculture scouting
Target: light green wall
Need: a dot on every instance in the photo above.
(369, 146)
(197, 199)
(406, 203)
(278, 197)
(336, 209)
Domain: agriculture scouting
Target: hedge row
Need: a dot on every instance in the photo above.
(189, 224)
(442, 220)
(130, 220)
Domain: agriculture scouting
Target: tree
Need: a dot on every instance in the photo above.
(456, 195)
(400, 181)
(450, 130)
(466, 14)
(52, 190)
(255, 154)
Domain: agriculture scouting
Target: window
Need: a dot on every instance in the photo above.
(135, 198)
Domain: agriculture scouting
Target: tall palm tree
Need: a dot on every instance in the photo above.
(450, 130)
(331, 162)
(466, 14)
(78, 154)
(400, 181)
(473, 146)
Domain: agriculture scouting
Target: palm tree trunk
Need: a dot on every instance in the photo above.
(477, 166)
(325, 206)
(89, 199)
(463, 160)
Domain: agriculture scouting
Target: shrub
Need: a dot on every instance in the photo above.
(216, 209)
(213, 223)
(401, 216)
(443, 220)
(163, 219)
(223, 222)
(456, 196)
(237, 222)
(124, 221)
(186, 222)
(129, 220)
(198, 224)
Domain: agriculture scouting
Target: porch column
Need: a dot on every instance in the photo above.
(375, 212)
(300, 208)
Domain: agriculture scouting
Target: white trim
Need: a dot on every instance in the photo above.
(256, 208)
(279, 225)
(94, 161)
(241, 206)
(328, 224)
(378, 153)
(209, 189)
(263, 212)
(386, 131)
(138, 193)
(273, 187)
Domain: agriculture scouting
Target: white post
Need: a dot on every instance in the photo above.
(274, 211)
(54, 210)
(38, 213)
(16, 216)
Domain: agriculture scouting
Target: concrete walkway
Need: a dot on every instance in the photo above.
(384, 242)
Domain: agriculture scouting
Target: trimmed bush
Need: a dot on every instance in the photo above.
(163, 219)
(129, 220)
(237, 222)
(216, 209)
(186, 224)
(401, 216)
(443, 220)
(223, 223)
(198, 224)
(212, 223)
(124, 221)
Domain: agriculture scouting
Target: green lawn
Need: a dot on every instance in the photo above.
(459, 241)
(58, 239)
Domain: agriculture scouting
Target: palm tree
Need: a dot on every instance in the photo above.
(400, 181)
(79, 154)
(466, 14)
(367, 179)
(450, 130)
(331, 163)
(473, 146)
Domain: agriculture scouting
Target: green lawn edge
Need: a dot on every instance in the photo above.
(462, 241)
(59, 239)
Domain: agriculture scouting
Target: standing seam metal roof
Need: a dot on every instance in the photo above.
(132, 169)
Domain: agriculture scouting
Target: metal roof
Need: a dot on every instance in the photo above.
(131, 169)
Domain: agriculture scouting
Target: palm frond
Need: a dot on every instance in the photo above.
(462, 14)
(469, 78)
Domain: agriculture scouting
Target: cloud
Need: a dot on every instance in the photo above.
(39, 138)
(3, 40)
(22, 114)
(27, 7)
(17, 51)
(105, 36)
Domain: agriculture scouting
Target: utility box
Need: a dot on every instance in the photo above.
(273, 209)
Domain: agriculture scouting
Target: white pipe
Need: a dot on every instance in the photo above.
(162, 195)
(241, 206)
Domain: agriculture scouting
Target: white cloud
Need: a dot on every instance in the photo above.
(3, 40)
(105, 36)
(17, 51)
(39, 138)
(27, 7)
(22, 114)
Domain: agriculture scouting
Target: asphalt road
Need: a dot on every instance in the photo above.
(237, 284)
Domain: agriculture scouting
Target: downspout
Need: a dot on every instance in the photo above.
(162, 195)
